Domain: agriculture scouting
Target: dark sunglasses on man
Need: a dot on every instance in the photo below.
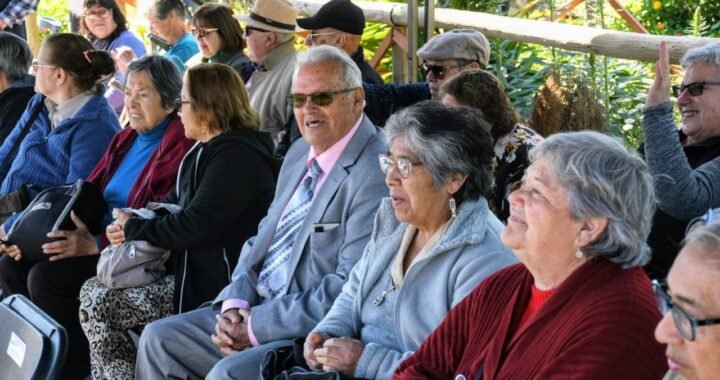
(320, 99)
(250, 29)
(437, 70)
(694, 88)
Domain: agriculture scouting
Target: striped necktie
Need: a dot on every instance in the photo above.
(273, 279)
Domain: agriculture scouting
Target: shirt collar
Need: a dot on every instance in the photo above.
(60, 113)
(328, 158)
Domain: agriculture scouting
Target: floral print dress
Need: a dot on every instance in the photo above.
(511, 160)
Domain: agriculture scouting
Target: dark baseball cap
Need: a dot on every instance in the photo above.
(342, 15)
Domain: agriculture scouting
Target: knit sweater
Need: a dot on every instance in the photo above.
(598, 324)
(50, 157)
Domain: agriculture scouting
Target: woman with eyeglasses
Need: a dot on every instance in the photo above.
(225, 185)
(105, 26)
(219, 37)
(685, 163)
(434, 240)
(690, 304)
(70, 126)
(578, 306)
(512, 141)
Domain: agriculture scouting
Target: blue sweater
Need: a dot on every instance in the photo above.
(183, 50)
(52, 157)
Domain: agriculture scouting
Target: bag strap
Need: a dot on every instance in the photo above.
(11, 155)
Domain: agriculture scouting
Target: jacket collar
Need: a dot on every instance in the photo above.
(278, 55)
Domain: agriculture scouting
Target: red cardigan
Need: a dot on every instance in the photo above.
(158, 177)
(598, 325)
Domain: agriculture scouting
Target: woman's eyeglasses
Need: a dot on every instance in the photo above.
(102, 13)
(404, 165)
(320, 99)
(36, 64)
(179, 103)
(685, 324)
(694, 88)
(250, 29)
(202, 32)
(437, 70)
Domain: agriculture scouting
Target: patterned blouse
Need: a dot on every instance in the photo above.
(511, 160)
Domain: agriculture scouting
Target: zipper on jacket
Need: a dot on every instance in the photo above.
(182, 284)
(227, 263)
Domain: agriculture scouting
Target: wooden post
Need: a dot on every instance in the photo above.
(399, 57)
(33, 33)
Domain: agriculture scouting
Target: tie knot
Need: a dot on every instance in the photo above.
(315, 170)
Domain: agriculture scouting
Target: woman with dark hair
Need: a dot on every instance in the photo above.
(434, 239)
(225, 185)
(72, 130)
(219, 36)
(105, 27)
(512, 141)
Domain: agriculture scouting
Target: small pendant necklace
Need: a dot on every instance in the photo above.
(391, 288)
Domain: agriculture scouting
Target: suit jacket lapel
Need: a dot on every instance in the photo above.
(332, 183)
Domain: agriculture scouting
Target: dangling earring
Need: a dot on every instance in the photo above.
(578, 254)
(453, 207)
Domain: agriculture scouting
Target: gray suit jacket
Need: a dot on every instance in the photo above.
(321, 261)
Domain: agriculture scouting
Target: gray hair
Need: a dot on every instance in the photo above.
(164, 75)
(15, 56)
(465, 148)
(163, 8)
(604, 179)
(708, 54)
(325, 54)
(708, 238)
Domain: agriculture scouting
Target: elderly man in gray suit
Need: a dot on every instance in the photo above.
(289, 274)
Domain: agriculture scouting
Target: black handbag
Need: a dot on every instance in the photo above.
(50, 211)
(288, 362)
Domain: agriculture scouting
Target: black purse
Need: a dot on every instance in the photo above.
(50, 211)
(288, 363)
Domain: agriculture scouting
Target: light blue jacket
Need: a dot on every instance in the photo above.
(469, 252)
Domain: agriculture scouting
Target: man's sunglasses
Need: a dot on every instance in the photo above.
(320, 99)
(438, 71)
(250, 29)
(694, 88)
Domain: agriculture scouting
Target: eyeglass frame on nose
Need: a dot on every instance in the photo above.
(319, 99)
(97, 15)
(666, 304)
(404, 165)
(202, 32)
(694, 88)
(248, 29)
(438, 70)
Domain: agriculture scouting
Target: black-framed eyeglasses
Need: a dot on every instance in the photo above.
(250, 29)
(202, 32)
(403, 165)
(694, 88)
(179, 103)
(684, 322)
(102, 13)
(320, 99)
(438, 71)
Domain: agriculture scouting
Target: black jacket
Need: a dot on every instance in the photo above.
(13, 102)
(225, 188)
